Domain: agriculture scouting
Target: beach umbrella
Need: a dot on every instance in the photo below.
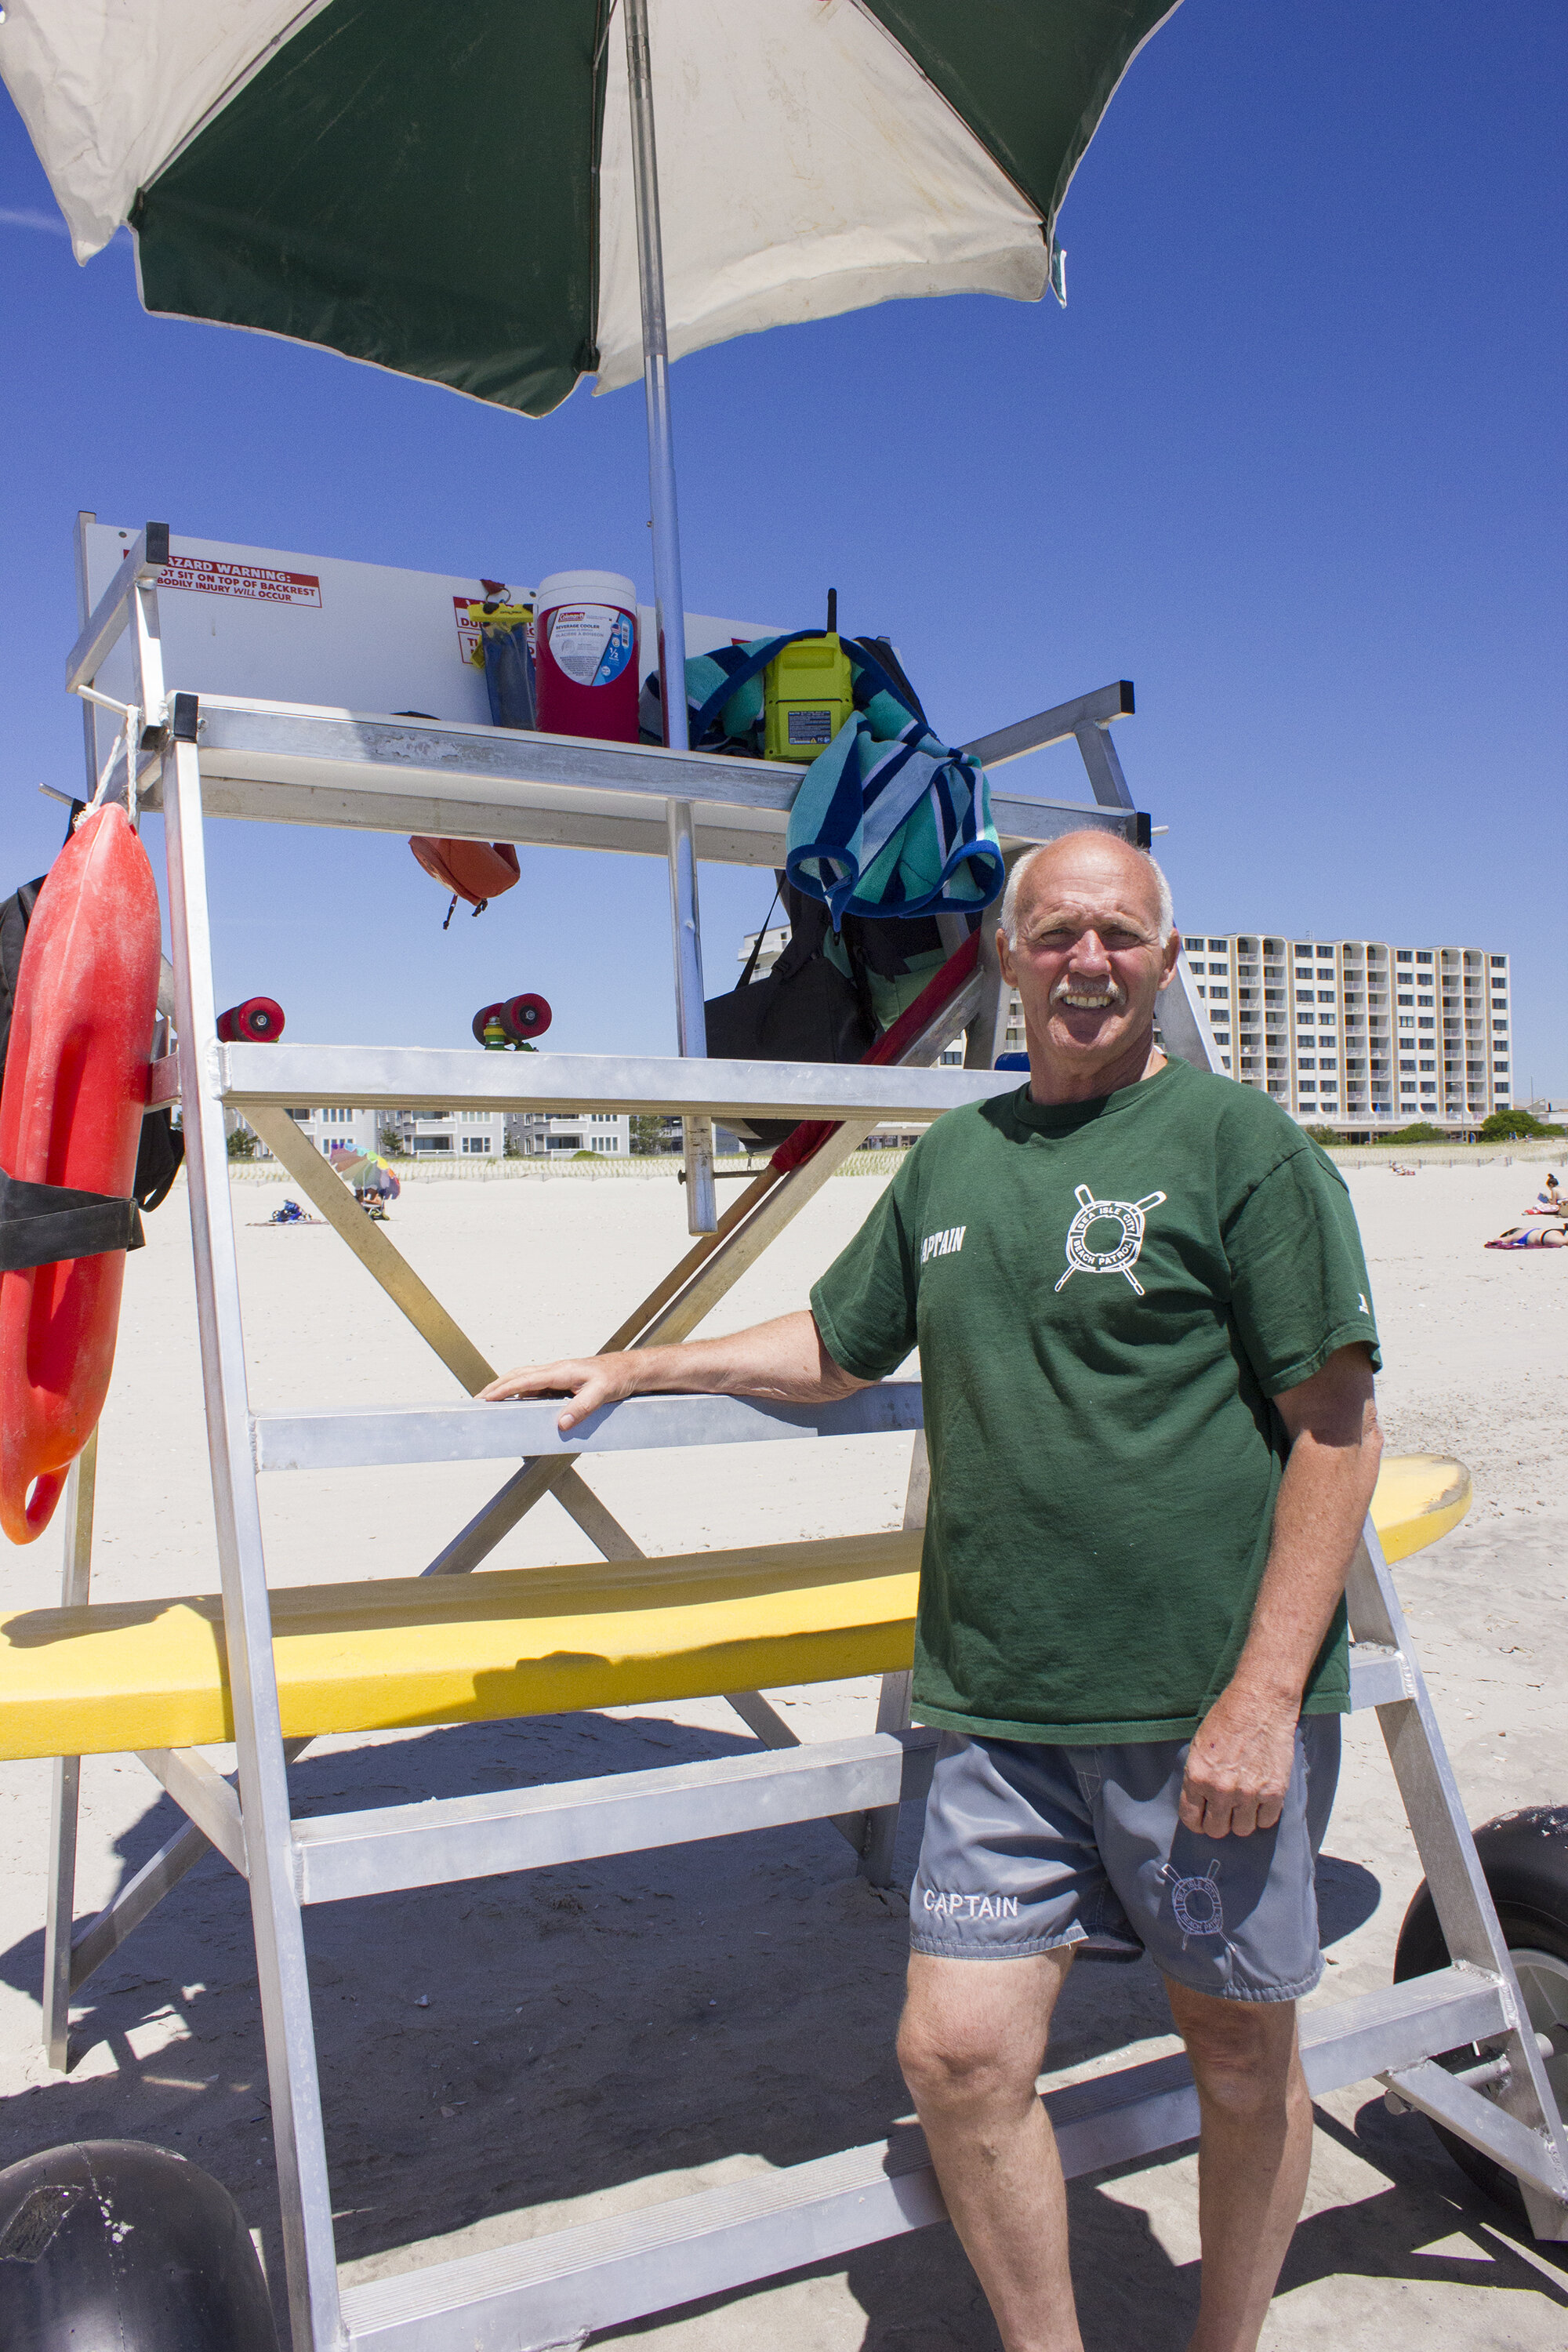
(471, 193)
(366, 1172)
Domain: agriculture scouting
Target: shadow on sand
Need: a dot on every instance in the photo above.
(529, 2040)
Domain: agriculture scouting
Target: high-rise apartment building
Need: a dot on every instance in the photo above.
(1357, 1033)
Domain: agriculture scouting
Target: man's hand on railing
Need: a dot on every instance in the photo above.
(783, 1360)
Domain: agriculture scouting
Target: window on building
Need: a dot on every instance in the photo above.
(1407, 1066)
(1403, 955)
(1308, 1086)
(1423, 955)
(476, 1143)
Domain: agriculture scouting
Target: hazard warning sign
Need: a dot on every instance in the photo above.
(257, 583)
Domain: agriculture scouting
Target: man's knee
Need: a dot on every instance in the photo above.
(973, 2031)
(1242, 2053)
(946, 2066)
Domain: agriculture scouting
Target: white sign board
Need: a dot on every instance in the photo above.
(266, 625)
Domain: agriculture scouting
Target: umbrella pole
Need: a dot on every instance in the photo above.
(702, 1213)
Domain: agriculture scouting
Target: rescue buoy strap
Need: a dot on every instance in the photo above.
(42, 1224)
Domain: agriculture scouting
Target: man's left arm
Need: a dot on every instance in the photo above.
(1241, 1757)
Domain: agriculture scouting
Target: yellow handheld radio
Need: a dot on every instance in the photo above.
(807, 694)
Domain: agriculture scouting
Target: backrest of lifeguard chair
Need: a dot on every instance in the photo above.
(265, 624)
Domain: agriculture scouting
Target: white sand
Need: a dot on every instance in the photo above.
(615, 2032)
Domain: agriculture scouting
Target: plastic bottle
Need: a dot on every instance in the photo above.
(586, 649)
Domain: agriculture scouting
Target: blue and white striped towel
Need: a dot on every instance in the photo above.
(893, 827)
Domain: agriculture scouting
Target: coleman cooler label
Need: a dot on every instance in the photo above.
(590, 643)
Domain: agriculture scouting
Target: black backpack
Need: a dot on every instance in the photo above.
(805, 1009)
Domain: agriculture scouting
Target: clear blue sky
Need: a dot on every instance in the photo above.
(1292, 461)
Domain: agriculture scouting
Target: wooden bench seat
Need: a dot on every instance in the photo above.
(396, 1652)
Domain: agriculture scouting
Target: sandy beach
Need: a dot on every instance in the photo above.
(502, 2057)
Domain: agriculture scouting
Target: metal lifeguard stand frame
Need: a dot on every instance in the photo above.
(196, 755)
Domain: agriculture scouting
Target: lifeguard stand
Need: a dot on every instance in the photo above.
(203, 743)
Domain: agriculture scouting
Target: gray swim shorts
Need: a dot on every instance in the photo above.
(1029, 1847)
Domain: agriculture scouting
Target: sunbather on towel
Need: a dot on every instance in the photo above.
(1531, 1237)
(1548, 1202)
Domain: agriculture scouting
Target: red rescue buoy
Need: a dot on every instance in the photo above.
(70, 1116)
(257, 1022)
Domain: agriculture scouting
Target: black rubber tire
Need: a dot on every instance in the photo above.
(116, 2246)
(1525, 1858)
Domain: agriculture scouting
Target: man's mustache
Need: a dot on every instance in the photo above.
(1106, 992)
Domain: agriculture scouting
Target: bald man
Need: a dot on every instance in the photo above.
(1147, 1343)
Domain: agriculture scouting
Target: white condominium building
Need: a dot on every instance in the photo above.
(1351, 1034)
(1357, 1033)
(532, 1133)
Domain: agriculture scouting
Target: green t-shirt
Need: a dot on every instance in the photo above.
(1106, 1296)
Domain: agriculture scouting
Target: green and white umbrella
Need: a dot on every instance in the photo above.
(445, 187)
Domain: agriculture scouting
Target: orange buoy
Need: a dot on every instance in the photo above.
(474, 871)
(70, 1122)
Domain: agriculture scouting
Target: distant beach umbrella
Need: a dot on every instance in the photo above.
(366, 1172)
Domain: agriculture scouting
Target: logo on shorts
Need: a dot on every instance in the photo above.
(1123, 1256)
(980, 1906)
(1196, 1902)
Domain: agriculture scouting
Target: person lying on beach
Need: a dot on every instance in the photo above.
(1148, 1346)
(1531, 1237)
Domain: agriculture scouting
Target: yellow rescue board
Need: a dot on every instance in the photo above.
(413, 1650)
(1419, 1497)
(404, 1651)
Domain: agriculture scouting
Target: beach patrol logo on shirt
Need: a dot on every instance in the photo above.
(1122, 1254)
